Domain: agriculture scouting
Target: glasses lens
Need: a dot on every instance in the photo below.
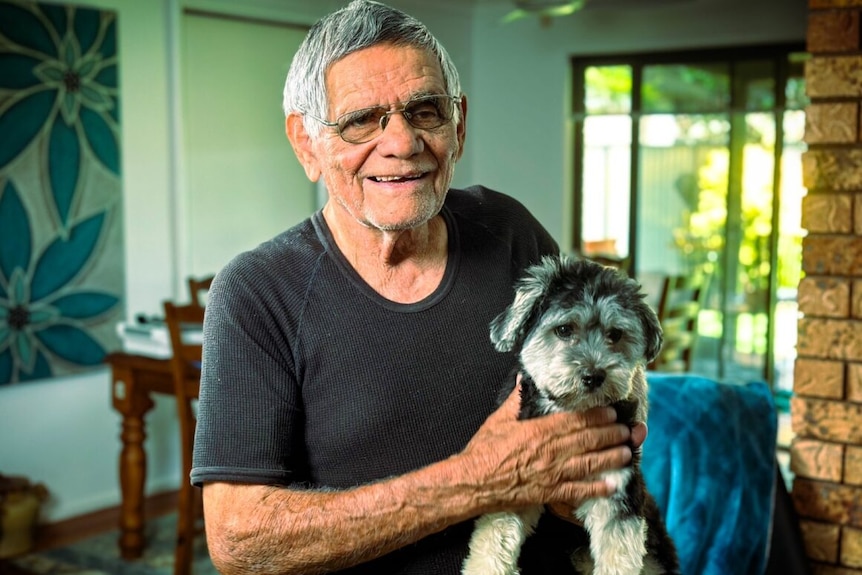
(425, 113)
(360, 125)
(429, 112)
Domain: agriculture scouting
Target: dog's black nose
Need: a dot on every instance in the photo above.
(594, 380)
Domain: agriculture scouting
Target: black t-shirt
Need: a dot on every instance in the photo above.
(310, 377)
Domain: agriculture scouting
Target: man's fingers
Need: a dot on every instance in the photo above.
(639, 433)
(581, 482)
(577, 440)
(570, 424)
(593, 463)
(582, 491)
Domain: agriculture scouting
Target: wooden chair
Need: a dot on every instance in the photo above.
(198, 288)
(679, 305)
(185, 367)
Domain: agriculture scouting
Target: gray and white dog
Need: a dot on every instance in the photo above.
(584, 335)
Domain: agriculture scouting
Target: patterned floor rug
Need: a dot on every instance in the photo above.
(100, 555)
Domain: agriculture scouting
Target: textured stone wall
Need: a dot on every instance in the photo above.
(826, 454)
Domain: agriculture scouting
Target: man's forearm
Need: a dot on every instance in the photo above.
(264, 529)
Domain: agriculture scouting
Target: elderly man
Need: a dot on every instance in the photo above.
(348, 414)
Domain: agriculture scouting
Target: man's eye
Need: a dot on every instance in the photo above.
(564, 331)
(361, 119)
(615, 335)
(425, 113)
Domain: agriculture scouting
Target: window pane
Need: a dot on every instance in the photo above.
(686, 88)
(794, 91)
(683, 210)
(683, 192)
(606, 185)
(747, 302)
(758, 84)
(608, 90)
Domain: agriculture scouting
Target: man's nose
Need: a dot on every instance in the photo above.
(384, 120)
(399, 136)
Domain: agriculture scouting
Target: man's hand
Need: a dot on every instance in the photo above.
(567, 511)
(553, 459)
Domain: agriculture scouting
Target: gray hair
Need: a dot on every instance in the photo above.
(359, 25)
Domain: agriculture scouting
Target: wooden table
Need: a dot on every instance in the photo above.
(134, 379)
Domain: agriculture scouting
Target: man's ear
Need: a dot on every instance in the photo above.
(294, 127)
(461, 128)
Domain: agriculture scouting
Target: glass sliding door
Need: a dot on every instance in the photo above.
(690, 164)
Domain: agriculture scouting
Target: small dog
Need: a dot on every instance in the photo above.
(584, 336)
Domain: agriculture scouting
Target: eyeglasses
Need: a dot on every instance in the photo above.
(423, 113)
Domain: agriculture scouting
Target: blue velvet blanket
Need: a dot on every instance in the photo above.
(709, 461)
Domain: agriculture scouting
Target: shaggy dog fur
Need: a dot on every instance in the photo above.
(584, 336)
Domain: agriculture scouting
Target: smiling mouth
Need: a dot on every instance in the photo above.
(395, 179)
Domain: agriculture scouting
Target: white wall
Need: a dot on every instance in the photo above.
(242, 184)
(64, 433)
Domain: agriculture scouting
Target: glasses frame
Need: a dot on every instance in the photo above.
(384, 119)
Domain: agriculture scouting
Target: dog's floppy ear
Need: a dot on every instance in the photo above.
(510, 328)
(653, 336)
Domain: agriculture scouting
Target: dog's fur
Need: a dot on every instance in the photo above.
(584, 336)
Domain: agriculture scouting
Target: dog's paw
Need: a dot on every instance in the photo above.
(496, 542)
(617, 545)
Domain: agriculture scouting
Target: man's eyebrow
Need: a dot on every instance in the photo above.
(411, 97)
(424, 93)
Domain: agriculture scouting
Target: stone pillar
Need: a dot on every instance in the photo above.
(826, 454)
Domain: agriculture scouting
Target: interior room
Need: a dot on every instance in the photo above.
(199, 169)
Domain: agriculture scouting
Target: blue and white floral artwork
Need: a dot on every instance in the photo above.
(61, 242)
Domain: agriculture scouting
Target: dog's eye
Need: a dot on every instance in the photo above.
(614, 335)
(564, 331)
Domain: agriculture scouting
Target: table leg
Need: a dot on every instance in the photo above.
(133, 404)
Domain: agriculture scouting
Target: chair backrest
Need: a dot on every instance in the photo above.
(198, 288)
(184, 324)
(680, 303)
